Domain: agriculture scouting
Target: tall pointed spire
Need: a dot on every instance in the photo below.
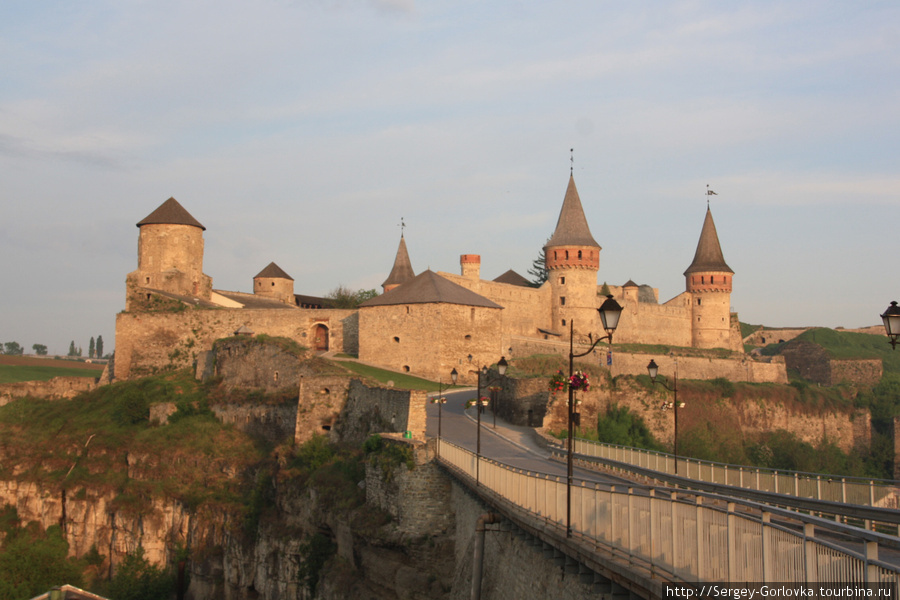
(402, 270)
(572, 226)
(708, 256)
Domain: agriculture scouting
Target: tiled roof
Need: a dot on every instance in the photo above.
(273, 271)
(402, 270)
(513, 278)
(708, 256)
(572, 227)
(170, 212)
(428, 287)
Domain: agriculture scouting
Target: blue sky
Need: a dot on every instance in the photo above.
(301, 133)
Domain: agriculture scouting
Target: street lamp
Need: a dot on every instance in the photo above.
(501, 369)
(610, 311)
(653, 370)
(891, 319)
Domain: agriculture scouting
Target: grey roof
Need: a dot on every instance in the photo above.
(513, 278)
(630, 283)
(572, 227)
(708, 256)
(429, 287)
(402, 270)
(170, 212)
(273, 271)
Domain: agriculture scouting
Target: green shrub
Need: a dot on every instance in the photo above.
(622, 427)
(137, 579)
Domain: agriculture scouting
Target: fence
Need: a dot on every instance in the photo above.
(849, 490)
(678, 537)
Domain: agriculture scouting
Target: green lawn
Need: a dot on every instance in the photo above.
(401, 380)
(16, 373)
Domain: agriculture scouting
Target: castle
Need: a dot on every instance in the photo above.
(425, 324)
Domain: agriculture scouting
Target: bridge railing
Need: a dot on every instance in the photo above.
(849, 490)
(683, 536)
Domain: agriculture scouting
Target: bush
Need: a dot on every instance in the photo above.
(620, 426)
(32, 561)
(137, 579)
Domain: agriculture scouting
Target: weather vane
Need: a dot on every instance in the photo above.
(402, 226)
(709, 193)
(572, 160)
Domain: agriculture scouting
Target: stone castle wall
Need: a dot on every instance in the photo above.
(768, 370)
(642, 322)
(418, 499)
(430, 340)
(525, 309)
(374, 410)
(815, 364)
(148, 342)
(56, 388)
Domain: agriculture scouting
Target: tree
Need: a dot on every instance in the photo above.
(137, 579)
(39, 349)
(91, 348)
(13, 348)
(343, 297)
(72, 350)
(99, 346)
(538, 270)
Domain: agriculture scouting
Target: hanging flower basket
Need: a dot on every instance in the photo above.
(579, 382)
(484, 402)
(558, 382)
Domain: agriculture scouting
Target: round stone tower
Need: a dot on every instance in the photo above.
(572, 258)
(272, 282)
(709, 280)
(170, 256)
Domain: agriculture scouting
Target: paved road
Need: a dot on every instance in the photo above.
(508, 444)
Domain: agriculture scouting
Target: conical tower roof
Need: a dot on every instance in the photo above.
(170, 212)
(273, 271)
(402, 271)
(708, 256)
(572, 227)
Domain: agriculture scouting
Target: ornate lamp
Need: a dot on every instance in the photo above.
(891, 320)
(610, 311)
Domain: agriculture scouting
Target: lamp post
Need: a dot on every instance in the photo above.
(440, 398)
(610, 311)
(501, 369)
(653, 370)
(891, 320)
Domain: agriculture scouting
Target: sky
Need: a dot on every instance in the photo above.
(302, 132)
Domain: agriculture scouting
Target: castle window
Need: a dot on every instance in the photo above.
(567, 255)
(702, 279)
(396, 339)
(273, 284)
(555, 257)
(712, 279)
(564, 324)
(468, 338)
(562, 281)
(562, 300)
(579, 255)
(406, 368)
(698, 301)
(147, 280)
(276, 375)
